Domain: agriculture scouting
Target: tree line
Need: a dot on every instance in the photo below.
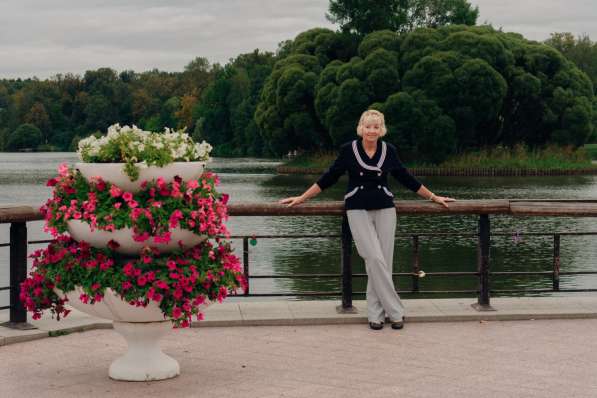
(445, 85)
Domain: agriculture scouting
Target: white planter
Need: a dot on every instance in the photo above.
(81, 231)
(114, 173)
(142, 328)
(113, 307)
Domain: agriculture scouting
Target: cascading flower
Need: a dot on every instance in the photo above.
(160, 206)
(179, 282)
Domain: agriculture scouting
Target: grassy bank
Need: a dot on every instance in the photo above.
(519, 158)
(591, 150)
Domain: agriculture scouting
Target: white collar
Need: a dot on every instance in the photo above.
(357, 155)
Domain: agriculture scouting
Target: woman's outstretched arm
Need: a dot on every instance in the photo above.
(326, 180)
(314, 190)
(427, 194)
(402, 175)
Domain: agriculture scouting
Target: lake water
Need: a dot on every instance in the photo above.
(23, 177)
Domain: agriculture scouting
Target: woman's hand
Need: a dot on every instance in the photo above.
(442, 200)
(292, 201)
(297, 200)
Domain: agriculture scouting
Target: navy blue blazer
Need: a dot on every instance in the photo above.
(368, 177)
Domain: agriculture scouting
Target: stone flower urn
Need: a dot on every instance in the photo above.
(141, 327)
(114, 173)
(80, 230)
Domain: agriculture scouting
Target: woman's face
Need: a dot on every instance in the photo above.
(371, 129)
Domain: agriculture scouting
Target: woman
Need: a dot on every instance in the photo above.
(370, 210)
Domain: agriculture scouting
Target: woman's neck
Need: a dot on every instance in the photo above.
(369, 145)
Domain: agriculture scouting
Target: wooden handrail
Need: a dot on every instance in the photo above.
(15, 213)
(548, 207)
(19, 215)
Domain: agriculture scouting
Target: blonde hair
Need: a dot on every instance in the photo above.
(371, 114)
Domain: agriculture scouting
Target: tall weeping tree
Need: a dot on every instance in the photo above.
(443, 90)
(366, 16)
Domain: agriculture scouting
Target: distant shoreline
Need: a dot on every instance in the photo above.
(461, 171)
(498, 161)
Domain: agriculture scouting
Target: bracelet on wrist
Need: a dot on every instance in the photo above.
(431, 197)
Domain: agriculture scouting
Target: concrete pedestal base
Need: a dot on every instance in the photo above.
(144, 360)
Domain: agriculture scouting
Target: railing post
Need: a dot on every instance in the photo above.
(246, 262)
(345, 257)
(556, 262)
(18, 273)
(482, 303)
(416, 267)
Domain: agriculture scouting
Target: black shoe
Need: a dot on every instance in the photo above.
(376, 325)
(397, 324)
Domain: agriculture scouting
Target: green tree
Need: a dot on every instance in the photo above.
(185, 114)
(38, 117)
(419, 127)
(143, 104)
(213, 113)
(26, 136)
(224, 114)
(196, 76)
(101, 81)
(3, 139)
(107, 89)
(366, 16)
(286, 115)
(481, 87)
(100, 113)
(168, 113)
(581, 50)
(436, 13)
(4, 104)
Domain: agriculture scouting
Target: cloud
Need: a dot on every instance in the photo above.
(537, 19)
(43, 38)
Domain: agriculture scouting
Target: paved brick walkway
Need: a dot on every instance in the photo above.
(533, 358)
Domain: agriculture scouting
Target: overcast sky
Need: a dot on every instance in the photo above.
(42, 38)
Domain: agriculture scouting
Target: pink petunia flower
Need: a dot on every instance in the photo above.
(115, 191)
(176, 312)
(63, 170)
(141, 238)
(128, 269)
(161, 284)
(164, 238)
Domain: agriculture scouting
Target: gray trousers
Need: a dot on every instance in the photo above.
(373, 233)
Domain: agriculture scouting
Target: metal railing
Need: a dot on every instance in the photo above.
(18, 216)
